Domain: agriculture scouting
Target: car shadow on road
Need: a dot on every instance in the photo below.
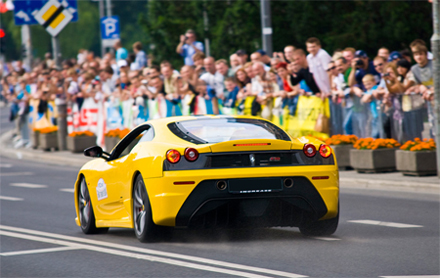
(174, 235)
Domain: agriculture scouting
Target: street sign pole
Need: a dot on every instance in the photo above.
(26, 45)
(435, 45)
(101, 15)
(266, 26)
(56, 52)
(109, 8)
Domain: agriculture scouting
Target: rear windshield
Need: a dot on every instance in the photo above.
(207, 131)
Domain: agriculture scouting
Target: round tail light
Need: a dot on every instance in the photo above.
(191, 154)
(173, 156)
(325, 151)
(309, 150)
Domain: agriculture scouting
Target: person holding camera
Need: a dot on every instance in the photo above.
(361, 66)
(188, 46)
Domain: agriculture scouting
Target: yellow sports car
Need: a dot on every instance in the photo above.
(209, 172)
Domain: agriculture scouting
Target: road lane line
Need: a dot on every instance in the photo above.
(28, 185)
(132, 255)
(16, 174)
(70, 190)
(5, 165)
(327, 238)
(39, 251)
(413, 276)
(6, 198)
(155, 252)
(386, 224)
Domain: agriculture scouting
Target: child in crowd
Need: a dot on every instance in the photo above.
(232, 88)
(370, 85)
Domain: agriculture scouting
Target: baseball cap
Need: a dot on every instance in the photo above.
(394, 56)
(262, 52)
(122, 63)
(360, 54)
(241, 52)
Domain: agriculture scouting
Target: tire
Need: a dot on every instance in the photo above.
(86, 214)
(320, 228)
(144, 227)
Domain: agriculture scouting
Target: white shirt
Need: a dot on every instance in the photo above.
(318, 67)
(215, 81)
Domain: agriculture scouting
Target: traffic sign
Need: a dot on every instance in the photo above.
(54, 16)
(25, 10)
(110, 30)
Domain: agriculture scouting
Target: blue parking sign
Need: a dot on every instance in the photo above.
(24, 10)
(110, 29)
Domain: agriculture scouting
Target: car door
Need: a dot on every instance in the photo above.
(113, 189)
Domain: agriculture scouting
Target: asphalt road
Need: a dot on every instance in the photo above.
(381, 234)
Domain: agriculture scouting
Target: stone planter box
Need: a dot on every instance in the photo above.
(110, 143)
(342, 153)
(373, 161)
(35, 140)
(48, 141)
(423, 163)
(79, 143)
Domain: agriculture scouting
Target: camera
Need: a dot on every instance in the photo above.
(145, 82)
(386, 74)
(359, 63)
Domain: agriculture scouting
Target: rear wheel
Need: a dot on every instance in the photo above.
(144, 227)
(86, 215)
(320, 228)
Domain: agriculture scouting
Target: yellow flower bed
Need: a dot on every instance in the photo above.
(341, 140)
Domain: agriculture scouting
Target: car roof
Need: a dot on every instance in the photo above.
(167, 120)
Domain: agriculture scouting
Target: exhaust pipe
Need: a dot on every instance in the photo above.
(221, 185)
(288, 182)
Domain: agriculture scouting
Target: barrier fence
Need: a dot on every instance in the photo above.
(403, 117)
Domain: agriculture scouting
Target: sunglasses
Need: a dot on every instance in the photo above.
(378, 65)
(332, 68)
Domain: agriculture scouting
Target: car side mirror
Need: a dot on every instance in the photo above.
(96, 151)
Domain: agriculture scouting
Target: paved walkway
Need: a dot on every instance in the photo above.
(348, 179)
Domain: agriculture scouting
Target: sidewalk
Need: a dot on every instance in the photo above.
(348, 179)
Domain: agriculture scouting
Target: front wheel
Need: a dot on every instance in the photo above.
(86, 215)
(320, 228)
(144, 227)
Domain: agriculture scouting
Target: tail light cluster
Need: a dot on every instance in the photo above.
(190, 154)
(310, 150)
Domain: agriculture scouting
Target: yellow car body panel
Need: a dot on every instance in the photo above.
(166, 198)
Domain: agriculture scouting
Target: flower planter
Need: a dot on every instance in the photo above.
(79, 143)
(373, 161)
(48, 141)
(420, 163)
(342, 153)
(110, 143)
(35, 139)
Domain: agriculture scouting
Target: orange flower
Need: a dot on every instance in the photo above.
(419, 145)
(81, 133)
(374, 144)
(47, 130)
(340, 139)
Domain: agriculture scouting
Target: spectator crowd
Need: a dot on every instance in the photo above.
(303, 89)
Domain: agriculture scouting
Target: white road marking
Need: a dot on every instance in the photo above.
(386, 224)
(5, 165)
(132, 255)
(413, 276)
(16, 174)
(10, 198)
(38, 251)
(70, 190)
(154, 252)
(28, 185)
(327, 238)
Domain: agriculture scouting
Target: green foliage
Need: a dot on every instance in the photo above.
(236, 24)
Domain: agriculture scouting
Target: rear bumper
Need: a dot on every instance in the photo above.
(202, 204)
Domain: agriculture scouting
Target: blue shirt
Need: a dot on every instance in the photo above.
(121, 54)
(188, 51)
(141, 59)
(232, 98)
(373, 106)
